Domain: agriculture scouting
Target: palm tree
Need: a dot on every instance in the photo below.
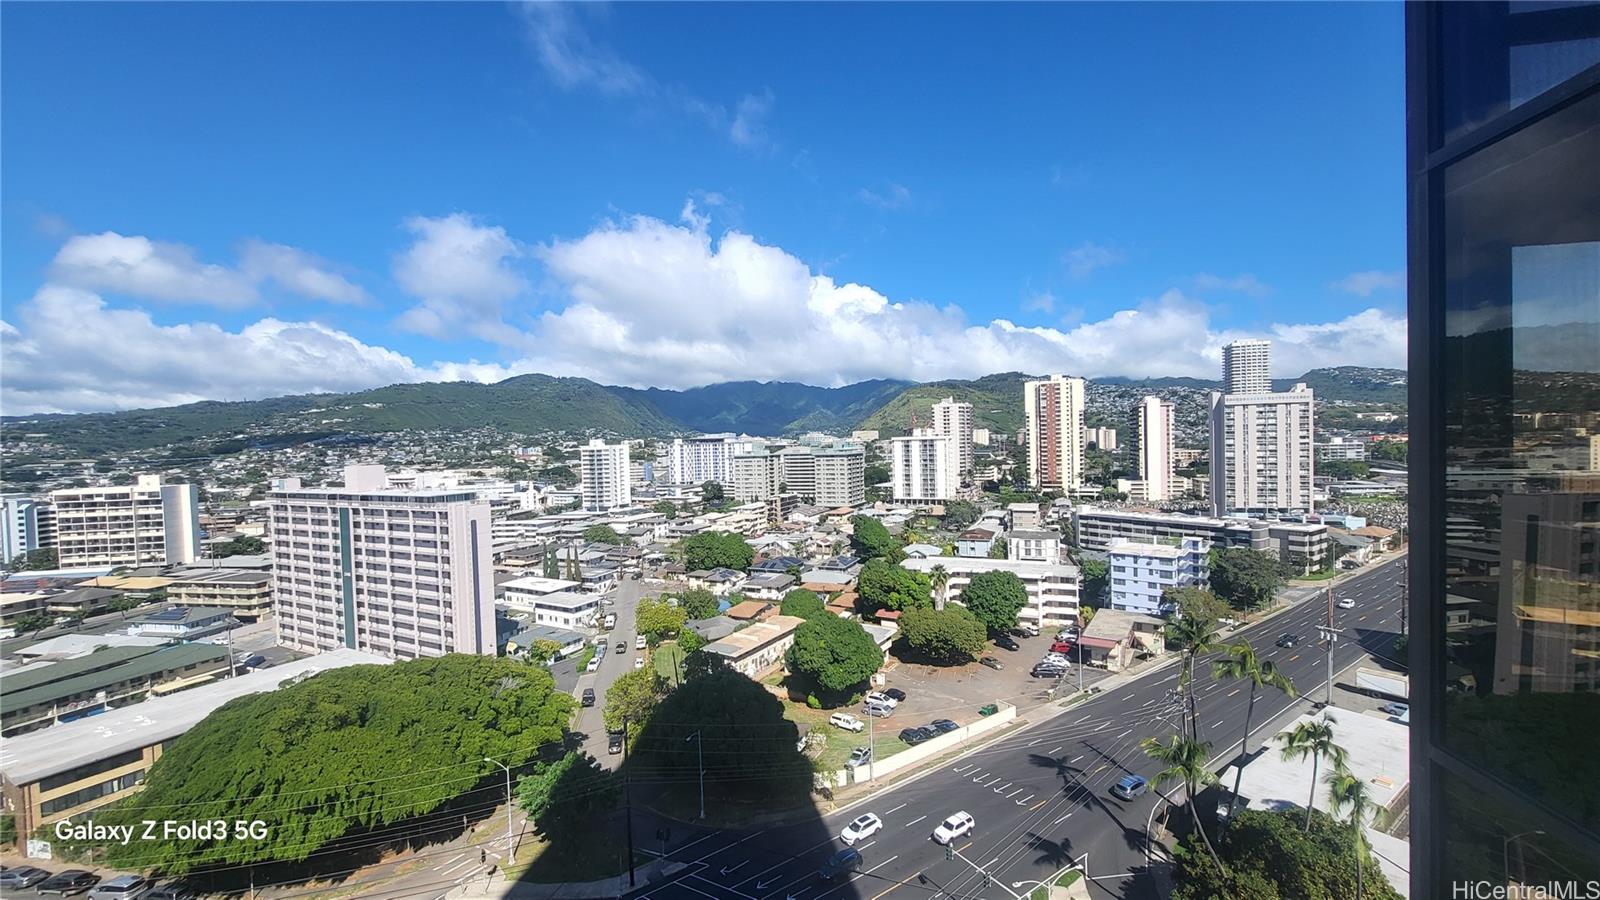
(1242, 662)
(1192, 635)
(939, 577)
(1186, 760)
(1313, 738)
(1346, 791)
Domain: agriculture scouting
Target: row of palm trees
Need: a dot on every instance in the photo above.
(1188, 759)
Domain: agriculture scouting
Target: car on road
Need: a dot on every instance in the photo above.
(638, 662)
(881, 697)
(846, 860)
(594, 663)
(991, 662)
(943, 726)
(1394, 709)
(72, 881)
(958, 825)
(1287, 640)
(1129, 787)
(600, 649)
(620, 647)
(22, 877)
(895, 694)
(638, 642)
(123, 887)
(860, 756)
(846, 721)
(863, 826)
(1227, 622)
(614, 743)
(170, 892)
(1005, 642)
(913, 736)
(588, 696)
(1346, 603)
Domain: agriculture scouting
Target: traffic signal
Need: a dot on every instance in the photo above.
(949, 851)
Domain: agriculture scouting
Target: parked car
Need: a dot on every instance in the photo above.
(1289, 640)
(895, 694)
(877, 709)
(638, 642)
(250, 661)
(72, 881)
(1068, 634)
(1026, 630)
(860, 756)
(588, 696)
(957, 825)
(1394, 709)
(991, 662)
(1056, 659)
(1346, 603)
(171, 891)
(863, 826)
(912, 736)
(621, 647)
(22, 877)
(1005, 642)
(594, 664)
(1061, 647)
(846, 860)
(881, 697)
(123, 887)
(614, 743)
(988, 709)
(943, 726)
(638, 662)
(1048, 670)
(1129, 787)
(600, 649)
(846, 721)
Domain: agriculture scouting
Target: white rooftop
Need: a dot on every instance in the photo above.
(1379, 753)
(68, 646)
(29, 757)
(1133, 548)
(534, 584)
(966, 564)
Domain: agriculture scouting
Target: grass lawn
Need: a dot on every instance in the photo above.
(841, 742)
(1043, 893)
(1317, 576)
(668, 662)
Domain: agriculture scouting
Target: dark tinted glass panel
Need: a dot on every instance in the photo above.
(1487, 841)
(1522, 444)
(1501, 55)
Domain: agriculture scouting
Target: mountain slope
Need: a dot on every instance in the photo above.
(774, 407)
(996, 404)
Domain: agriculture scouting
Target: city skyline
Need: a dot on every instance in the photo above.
(905, 245)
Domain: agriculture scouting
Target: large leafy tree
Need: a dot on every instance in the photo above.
(1196, 602)
(1096, 579)
(834, 653)
(698, 603)
(633, 696)
(665, 508)
(995, 598)
(870, 540)
(749, 747)
(243, 545)
(958, 514)
(562, 795)
(884, 585)
(1247, 579)
(658, 619)
(718, 550)
(949, 636)
(35, 560)
(1269, 856)
(352, 749)
(803, 603)
(711, 492)
(602, 534)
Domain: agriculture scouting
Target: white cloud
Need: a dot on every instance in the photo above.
(463, 274)
(1088, 256)
(138, 266)
(1043, 301)
(297, 271)
(1365, 284)
(749, 128)
(1244, 284)
(896, 196)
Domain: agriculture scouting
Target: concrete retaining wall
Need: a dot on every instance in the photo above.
(939, 746)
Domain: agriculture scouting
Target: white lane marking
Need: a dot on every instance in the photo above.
(914, 821)
(1062, 819)
(1014, 793)
(896, 809)
(1089, 716)
(1124, 734)
(1054, 749)
(1025, 800)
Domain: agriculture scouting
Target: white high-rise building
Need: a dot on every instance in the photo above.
(140, 524)
(756, 474)
(1055, 431)
(926, 467)
(19, 525)
(1247, 367)
(400, 573)
(841, 477)
(604, 475)
(1102, 438)
(1157, 422)
(702, 458)
(1262, 455)
(954, 418)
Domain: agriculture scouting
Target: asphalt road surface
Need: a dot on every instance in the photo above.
(1040, 796)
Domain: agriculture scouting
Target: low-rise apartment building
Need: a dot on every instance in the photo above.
(1140, 574)
(76, 688)
(1053, 588)
(757, 649)
(1301, 545)
(245, 594)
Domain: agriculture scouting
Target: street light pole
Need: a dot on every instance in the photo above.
(509, 840)
(1506, 853)
(700, 751)
(627, 801)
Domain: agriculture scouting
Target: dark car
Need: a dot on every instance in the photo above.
(896, 695)
(72, 881)
(928, 732)
(251, 661)
(846, 860)
(943, 725)
(1289, 640)
(991, 662)
(170, 892)
(588, 696)
(1043, 670)
(913, 736)
(620, 647)
(22, 877)
(614, 742)
(1007, 643)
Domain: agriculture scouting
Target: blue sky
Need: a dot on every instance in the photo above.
(231, 200)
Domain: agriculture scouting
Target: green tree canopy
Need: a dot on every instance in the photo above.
(718, 550)
(749, 748)
(559, 475)
(1388, 451)
(949, 636)
(958, 514)
(658, 619)
(1245, 578)
(803, 603)
(870, 540)
(1344, 469)
(1268, 855)
(711, 492)
(243, 545)
(884, 585)
(690, 641)
(563, 795)
(995, 598)
(698, 603)
(633, 696)
(665, 508)
(35, 560)
(1196, 602)
(349, 749)
(834, 653)
(603, 534)
(1096, 580)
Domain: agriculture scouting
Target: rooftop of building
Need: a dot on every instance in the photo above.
(29, 757)
(1109, 625)
(234, 577)
(748, 609)
(69, 646)
(984, 564)
(139, 662)
(1033, 534)
(567, 599)
(536, 584)
(754, 637)
(563, 636)
(183, 615)
(1136, 548)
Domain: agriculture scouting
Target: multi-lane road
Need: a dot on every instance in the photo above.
(1039, 795)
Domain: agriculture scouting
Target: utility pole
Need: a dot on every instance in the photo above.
(1331, 635)
(700, 749)
(872, 747)
(510, 841)
(627, 801)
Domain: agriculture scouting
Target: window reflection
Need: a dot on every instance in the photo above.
(1500, 55)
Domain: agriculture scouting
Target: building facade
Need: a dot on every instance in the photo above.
(1247, 367)
(1054, 409)
(1102, 437)
(140, 524)
(925, 467)
(953, 417)
(1503, 134)
(605, 477)
(841, 476)
(19, 526)
(1141, 574)
(1053, 588)
(1303, 545)
(757, 474)
(1262, 457)
(403, 574)
(245, 594)
(1157, 440)
(702, 458)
